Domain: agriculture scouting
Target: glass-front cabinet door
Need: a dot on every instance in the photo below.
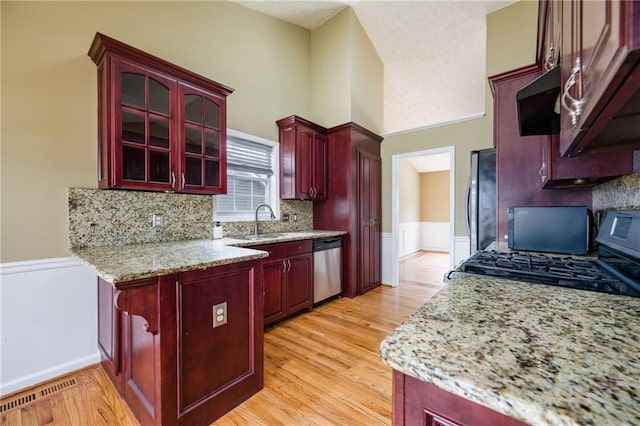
(160, 127)
(144, 113)
(203, 140)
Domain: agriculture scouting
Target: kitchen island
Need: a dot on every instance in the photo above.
(180, 327)
(529, 353)
(180, 324)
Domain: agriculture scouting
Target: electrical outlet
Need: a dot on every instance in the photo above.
(285, 217)
(219, 314)
(157, 220)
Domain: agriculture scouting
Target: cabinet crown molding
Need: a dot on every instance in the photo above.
(299, 120)
(104, 44)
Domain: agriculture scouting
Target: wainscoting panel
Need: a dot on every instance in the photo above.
(461, 250)
(48, 321)
(410, 238)
(430, 236)
(434, 236)
(387, 250)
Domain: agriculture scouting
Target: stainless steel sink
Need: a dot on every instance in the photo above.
(261, 237)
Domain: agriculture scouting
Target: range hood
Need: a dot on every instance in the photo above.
(538, 113)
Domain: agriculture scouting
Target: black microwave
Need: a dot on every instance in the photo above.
(557, 229)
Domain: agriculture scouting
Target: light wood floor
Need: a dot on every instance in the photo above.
(424, 267)
(321, 368)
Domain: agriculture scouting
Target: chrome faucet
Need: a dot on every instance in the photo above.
(255, 226)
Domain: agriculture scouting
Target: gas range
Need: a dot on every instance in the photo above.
(616, 270)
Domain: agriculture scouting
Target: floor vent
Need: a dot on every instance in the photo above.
(18, 402)
(57, 387)
(42, 393)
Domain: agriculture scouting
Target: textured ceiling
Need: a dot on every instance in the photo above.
(430, 163)
(433, 52)
(305, 13)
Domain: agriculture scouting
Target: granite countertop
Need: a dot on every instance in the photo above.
(541, 354)
(118, 264)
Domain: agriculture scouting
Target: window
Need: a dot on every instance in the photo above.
(252, 178)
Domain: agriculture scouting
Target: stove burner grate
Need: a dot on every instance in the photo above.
(542, 269)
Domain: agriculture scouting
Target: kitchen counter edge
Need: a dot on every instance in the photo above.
(120, 264)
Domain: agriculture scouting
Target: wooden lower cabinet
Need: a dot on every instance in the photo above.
(299, 288)
(273, 273)
(288, 279)
(109, 320)
(420, 403)
(166, 356)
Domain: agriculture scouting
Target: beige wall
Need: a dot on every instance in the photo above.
(49, 93)
(434, 197)
(511, 37)
(408, 193)
(511, 43)
(330, 71)
(346, 74)
(48, 110)
(367, 82)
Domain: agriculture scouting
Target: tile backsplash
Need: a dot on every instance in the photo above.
(100, 217)
(302, 209)
(620, 193)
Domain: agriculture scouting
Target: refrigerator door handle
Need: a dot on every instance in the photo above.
(467, 207)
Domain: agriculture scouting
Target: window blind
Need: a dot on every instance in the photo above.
(246, 156)
(249, 172)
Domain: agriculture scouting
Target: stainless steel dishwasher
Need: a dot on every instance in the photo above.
(327, 268)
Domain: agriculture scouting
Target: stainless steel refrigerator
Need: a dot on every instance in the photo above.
(481, 199)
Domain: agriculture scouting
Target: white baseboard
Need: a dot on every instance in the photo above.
(49, 374)
(48, 321)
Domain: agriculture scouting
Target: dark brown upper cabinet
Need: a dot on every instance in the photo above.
(303, 159)
(600, 76)
(160, 127)
(549, 33)
(557, 171)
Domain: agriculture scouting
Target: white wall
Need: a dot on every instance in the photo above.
(429, 236)
(48, 321)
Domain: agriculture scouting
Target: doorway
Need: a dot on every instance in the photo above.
(422, 225)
